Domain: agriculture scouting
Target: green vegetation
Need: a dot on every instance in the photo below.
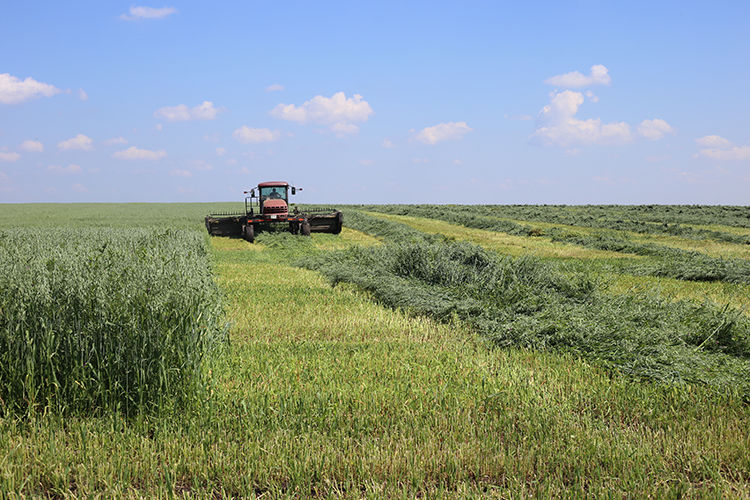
(525, 302)
(96, 320)
(402, 380)
(672, 262)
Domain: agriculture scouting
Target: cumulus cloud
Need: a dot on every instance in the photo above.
(713, 141)
(139, 12)
(599, 76)
(718, 148)
(276, 87)
(79, 188)
(31, 146)
(80, 142)
(70, 169)
(181, 113)
(82, 95)
(654, 129)
(733, 153)
(115, 140)
(133, 153)
(557, 125)
(221, 151)
(9, 157)
(442, 132)
(13, 90)
(388, 144)
(180, 173)
(339, 113)
(249, 135)
(592, 97)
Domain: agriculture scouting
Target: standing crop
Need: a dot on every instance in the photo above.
(97, 319)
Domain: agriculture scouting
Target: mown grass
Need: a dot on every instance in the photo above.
(502, 242)
(710, 247)
(665, 260)
(529, 303)
(717, 292)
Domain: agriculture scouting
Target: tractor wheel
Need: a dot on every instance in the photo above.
(305, 228)
(248, 232)
(338, 224)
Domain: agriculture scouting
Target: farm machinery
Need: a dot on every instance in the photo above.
(271, 199)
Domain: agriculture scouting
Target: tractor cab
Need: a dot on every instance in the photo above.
(273, 198)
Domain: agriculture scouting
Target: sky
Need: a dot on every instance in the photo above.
(376, 102)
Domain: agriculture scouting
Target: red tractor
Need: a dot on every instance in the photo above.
(272, 203)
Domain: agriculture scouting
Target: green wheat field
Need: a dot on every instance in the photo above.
(427, 350)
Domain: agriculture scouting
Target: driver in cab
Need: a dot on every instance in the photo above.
(274, 195)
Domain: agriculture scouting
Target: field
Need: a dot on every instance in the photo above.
(459, 351)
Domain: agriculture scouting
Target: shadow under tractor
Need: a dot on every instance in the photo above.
(271, 199)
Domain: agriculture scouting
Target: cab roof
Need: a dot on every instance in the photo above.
(273, 184)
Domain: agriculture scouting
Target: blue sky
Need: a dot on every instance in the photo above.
(392, 102)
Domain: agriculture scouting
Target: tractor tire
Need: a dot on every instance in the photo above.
(304, 229)
(338, 224)
(248, 232)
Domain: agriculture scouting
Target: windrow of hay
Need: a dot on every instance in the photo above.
(93, 320)
(669, 262)
(530, 303)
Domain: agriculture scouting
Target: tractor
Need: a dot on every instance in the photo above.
(272, 202)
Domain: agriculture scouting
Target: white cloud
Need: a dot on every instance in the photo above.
(366, 163)
(592, 97)
(70, 169)
(31, 146)
(80, 142)
(339, 113)
(221, 151)
(133, 153)
(420, 161)
(599, 76)
(713, 141)
(9, 157)
(79, 188)
(442, 132)
(733, 153)
(13, 90)
(148, 13)
(388, 144)
(82, 95)
(180, 173)
(654, 129)
(247, 135)
(344, 128)
(276, 87)
(181, 113)
(115, 140)
(558, 126)
(718, 148)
